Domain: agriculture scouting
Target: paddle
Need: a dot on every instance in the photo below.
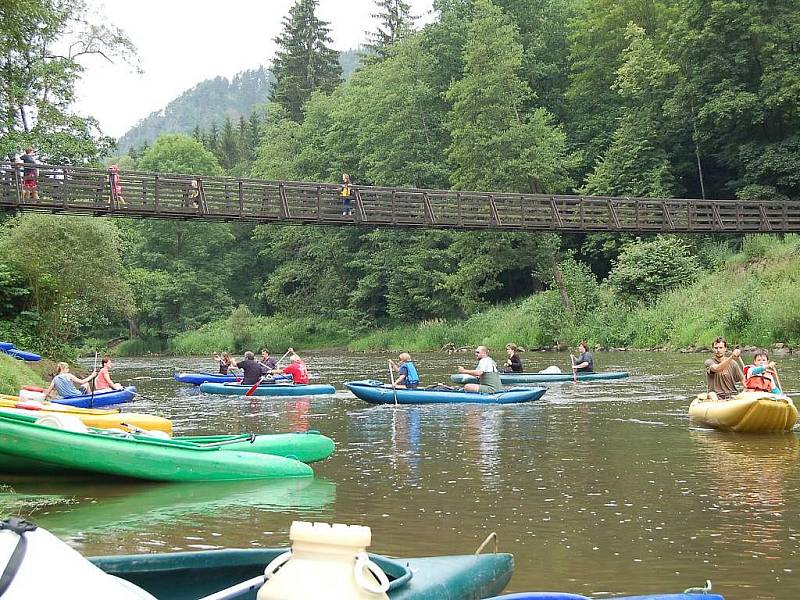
(574, 370)
(391, 379)
(253, 389)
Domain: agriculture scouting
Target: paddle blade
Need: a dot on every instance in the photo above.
(253, 389)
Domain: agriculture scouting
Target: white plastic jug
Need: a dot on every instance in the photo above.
(51, 569)
(326, 561)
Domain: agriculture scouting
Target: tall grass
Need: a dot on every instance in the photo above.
(15, 373)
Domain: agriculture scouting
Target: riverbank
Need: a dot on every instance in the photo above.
(16, 373)
(749, 297)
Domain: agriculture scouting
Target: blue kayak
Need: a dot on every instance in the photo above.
(561, 596)
(525, 378)
(198, 378)
(375, 392)
(21, 354)
(6, 346)
(101, 399)
(269, 389)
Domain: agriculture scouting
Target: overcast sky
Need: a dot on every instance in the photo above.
(183, 42)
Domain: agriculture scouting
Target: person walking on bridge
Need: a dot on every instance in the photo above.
(346, 192)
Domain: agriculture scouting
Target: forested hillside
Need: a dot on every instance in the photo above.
(212, 101)
(618, 97)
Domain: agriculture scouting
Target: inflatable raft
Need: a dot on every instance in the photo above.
(100, 418)
(23, 355)
(65, 443)
(100, 399)
(376, 393)
(747, 412)
(269, 389)
(517, 378)
(200, 378)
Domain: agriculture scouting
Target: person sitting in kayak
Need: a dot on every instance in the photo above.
(296, 368)
(225, 361)
(723, 372)
(267, 362)
(103, 381)
(486, 372)
(513, 363)
(585, 361)
(252, 369)
(407, 376)
(761, 375)
(64, 383)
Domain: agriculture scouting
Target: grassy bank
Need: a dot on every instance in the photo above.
(751, 299)
(16, 373)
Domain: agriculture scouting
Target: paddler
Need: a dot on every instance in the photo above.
(64, 383)
(723, 372)
(407, 376)
(486, 372)
(296, 368)
(103, 382)
(762, 375)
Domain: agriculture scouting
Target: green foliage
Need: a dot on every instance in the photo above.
(304, 62)
(395, 21)
(494, 145)
(41, 45)
(173, 153)
(646, 269)
(73, 269)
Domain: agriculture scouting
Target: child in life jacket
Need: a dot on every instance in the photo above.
(406, 371)
(760, 376)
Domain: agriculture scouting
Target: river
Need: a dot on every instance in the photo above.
(597, 489)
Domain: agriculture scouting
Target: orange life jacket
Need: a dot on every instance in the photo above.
(760, 383)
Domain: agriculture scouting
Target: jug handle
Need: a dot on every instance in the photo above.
(276, 563)
(363, 562)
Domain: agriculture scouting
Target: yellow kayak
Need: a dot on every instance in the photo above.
(747, 412)
(91, 417)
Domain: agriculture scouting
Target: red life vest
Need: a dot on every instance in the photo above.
(759, 383)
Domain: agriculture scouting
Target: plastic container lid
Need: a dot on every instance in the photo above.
(358, 536)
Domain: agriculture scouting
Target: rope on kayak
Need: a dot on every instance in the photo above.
(20, 527)
(489, 538)
(699, 590)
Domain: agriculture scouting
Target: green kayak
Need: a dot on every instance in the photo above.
(136, 456)
(306, 447)
(518, 378)
(192, 575)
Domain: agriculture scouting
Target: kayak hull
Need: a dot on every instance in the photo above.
(135, 456)
(22, 354)
(522, 378)
(200, 378)
(269, 389)
(101, 399)
(747, 412)
(191, 575)
(375, 393)
(307, 447)
(562, 596)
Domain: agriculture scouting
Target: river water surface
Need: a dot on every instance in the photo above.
(597, 489)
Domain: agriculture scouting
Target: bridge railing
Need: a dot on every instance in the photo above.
(82, 190)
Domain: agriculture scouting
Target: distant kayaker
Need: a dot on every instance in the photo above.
(296, 368)
(762, 375)
(225, 361)
(64, 383)
(268, 362)
(407, 376)
(513, 363)
(486, 372)
(723, 372)
(252, 369)
(103, 382)
(585, 361)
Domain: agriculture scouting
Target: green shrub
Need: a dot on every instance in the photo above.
(15, 373)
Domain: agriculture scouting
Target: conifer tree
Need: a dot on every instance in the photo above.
(304, 63)
(228, 146)
(394, 22)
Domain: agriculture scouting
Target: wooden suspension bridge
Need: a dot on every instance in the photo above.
(100, 192)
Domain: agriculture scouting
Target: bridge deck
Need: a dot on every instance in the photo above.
(79, 190)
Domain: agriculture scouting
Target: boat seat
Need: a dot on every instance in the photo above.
(65, 422)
